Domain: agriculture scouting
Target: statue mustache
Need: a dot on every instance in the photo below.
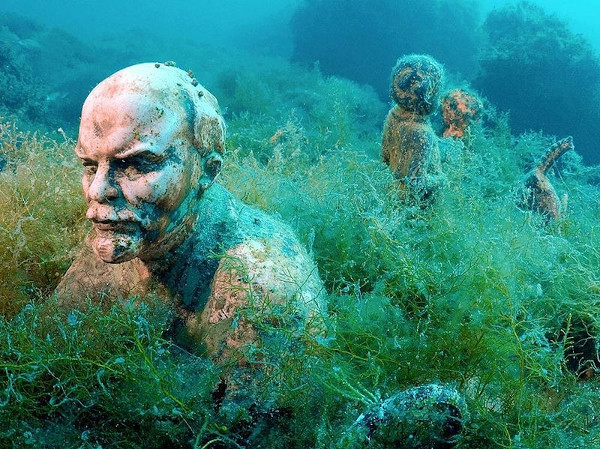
(98, 212)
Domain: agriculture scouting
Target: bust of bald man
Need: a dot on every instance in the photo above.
(151, 141)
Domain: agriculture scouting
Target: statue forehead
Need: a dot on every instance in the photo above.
(154, 80)
(131, 109)
(140, 92)
(135, 99)
(153, 97)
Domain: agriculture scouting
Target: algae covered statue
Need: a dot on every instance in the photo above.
(460, 109)
(151, 140)
(537, 192)
(409, 145)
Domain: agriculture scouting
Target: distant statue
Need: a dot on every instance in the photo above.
(409, 144)
(152, 140)
(460, 109)
(537, 193)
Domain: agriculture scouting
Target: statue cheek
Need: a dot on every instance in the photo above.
(167, 192)
(164, 190)
(172, 187)
(141, 190)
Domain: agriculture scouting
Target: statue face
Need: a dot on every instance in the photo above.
(141, 174)
(416, 80)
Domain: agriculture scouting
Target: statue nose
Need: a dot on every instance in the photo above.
(102, 187)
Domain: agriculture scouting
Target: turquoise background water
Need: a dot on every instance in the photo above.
(232, 20)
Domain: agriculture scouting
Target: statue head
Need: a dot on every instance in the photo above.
(460, 108)
(151, 140)
(416, 83)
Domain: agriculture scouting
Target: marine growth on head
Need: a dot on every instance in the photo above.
(460, 108)
(151, 145)
(416, 83)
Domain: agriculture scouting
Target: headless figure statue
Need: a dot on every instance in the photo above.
(538, 193)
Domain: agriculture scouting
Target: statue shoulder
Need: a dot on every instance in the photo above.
(277, 269)
(273, 279)
(237, 221)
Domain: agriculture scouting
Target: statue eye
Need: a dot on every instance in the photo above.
(128, 167)
(137, 165)
(90, 167)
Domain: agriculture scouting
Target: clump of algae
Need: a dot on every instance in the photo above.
(43, 215)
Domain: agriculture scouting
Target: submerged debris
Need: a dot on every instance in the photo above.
(429, 416)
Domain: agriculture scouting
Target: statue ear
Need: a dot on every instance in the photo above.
(211, 167)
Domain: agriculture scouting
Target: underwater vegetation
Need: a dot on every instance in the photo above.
(472, 291)
(37, 233)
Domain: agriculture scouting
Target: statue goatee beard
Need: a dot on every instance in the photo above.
(114, 247)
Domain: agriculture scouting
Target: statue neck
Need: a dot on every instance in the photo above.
(404, 115)
(188, 268)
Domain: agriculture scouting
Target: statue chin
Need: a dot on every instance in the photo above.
(116, 248)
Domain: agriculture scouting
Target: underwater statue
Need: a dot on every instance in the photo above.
(409, 145)
(537, 192)
(151, 140)
(460, 109)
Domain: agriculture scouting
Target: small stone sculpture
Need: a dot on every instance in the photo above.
(429, 416)
(538, 194)
(460, 108)
(409, 144)
(151, 140)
